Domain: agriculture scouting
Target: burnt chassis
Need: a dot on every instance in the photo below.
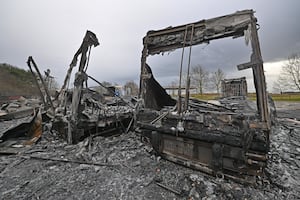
(219, 140)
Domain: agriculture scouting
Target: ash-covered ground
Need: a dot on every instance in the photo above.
(124, 167)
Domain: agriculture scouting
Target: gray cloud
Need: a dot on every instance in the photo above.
(52, 31)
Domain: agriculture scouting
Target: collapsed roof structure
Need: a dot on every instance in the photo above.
(230, 139)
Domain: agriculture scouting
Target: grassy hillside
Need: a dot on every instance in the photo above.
(16, 81)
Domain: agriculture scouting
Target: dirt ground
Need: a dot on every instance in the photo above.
(124, 167)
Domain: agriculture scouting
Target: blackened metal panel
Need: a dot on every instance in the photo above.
(154, 95)
(205, 30)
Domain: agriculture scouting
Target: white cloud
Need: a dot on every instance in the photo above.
(272, 71)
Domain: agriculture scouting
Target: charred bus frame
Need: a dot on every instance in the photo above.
(192, 140)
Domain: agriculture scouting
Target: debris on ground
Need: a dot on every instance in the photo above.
(124, 167)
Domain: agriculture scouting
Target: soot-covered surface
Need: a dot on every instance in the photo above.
(123, 167)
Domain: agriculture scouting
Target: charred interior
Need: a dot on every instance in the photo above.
(230, 138)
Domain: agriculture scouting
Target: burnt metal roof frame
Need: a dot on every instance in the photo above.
(233, 25)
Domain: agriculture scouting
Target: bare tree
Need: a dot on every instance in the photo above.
(217, 78)
(280, 85)
(289, 78)
(131, 88)
(200, 77)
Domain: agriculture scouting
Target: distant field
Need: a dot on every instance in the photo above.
(281, 97)
(276, 97)
(209, 96)
(286, 97)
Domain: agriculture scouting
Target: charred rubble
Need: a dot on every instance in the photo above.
(124, 167)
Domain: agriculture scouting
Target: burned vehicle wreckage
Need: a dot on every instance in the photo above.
(82, 112)
(230, 139)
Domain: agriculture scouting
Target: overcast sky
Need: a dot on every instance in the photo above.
(52, 30)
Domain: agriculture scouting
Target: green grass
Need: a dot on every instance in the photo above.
(276, 97)
(280, 97)
(286, 97)
(16, 81)
(208, 96)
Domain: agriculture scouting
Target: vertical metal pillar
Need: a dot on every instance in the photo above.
(179, 103)
(259, 77)
(188, 79)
